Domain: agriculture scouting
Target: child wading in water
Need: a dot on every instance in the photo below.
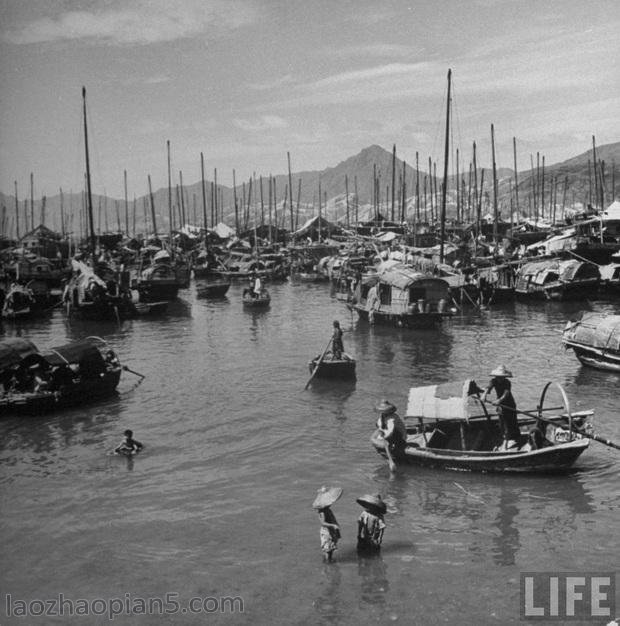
(128, 446)
(370, 525)
(330, 530)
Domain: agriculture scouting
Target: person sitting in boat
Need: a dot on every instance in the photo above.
(40, 378)
(128, 445)
(391, 426)
(370, 524)
(337, 345)
(506, 406)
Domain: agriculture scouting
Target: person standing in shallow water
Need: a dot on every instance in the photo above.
(370, 524)
(337, 345)
(329, 532)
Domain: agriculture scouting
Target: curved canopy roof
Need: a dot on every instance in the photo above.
(446, 401)
(15, 350)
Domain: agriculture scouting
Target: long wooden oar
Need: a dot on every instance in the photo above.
(318, 363)
(579, 431)
(126, 369)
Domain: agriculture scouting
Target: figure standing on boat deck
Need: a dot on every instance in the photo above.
(330, 530)
(258, 286)
(128, 445)
(506, 406)
(392, 426)
(337, 345)
(370, 524)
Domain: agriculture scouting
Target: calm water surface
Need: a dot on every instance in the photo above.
(219, 503)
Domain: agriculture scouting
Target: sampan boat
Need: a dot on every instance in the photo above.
(595, 339)
(449, 427)
(329, 367)
(68, 375)
(252, 300)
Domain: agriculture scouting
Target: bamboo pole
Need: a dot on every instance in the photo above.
(170, 226)
(204, 192)
(346, 190)
(126, 205)
(495, 215)
(16, 213)
(262, 204)
(393, 179)
(183, 219)
(153, 217)
(514, 151)
(235, 202)
(290, 186)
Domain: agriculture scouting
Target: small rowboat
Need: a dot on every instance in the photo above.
(454, 431)
(214, 285)
(251, 300)
(329, 367)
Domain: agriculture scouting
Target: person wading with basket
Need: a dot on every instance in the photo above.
(330, 530)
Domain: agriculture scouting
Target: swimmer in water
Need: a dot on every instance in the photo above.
(128, 445)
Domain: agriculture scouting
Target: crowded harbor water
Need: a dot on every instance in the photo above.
(219, 503)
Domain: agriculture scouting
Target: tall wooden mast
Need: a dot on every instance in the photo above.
(89, 204)
(445, 173)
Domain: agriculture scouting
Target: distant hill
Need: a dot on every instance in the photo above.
(569, 180)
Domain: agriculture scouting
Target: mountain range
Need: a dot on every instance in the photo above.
(368, 176)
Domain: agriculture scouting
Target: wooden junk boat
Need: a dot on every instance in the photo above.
(595, 339)
(92, 297)
(405, 297)
(37, 382)
(554, 279)
(158, 281)
(449, 427)
(332, 368)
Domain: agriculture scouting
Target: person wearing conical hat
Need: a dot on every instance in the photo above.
(506, 406)
(329, 532)
(370, 524)
(391, 425)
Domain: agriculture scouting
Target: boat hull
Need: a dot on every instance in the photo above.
(86, 391)
(408, 320)
(558, 457)
(212, 290)
(334, 368)
(608, 361)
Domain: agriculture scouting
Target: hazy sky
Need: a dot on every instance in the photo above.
(245, 81)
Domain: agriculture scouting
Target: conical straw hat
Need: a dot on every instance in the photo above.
(501, 370)
(372, 502)
(385, 406)
(326, 497)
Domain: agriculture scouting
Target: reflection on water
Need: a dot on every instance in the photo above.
(374, 583)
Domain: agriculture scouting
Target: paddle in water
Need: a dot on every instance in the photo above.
(318, 363)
